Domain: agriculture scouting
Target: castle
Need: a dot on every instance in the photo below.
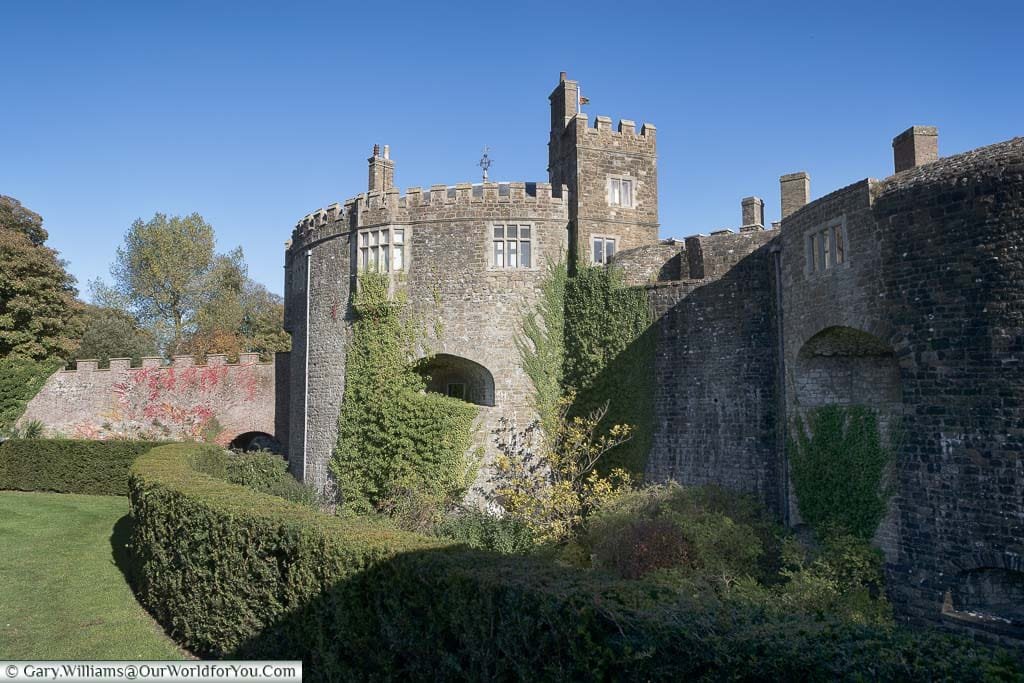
(904, 294)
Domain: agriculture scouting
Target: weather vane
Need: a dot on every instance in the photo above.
(485, 162)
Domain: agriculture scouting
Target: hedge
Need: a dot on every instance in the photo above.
(233, 573)
(69, 465)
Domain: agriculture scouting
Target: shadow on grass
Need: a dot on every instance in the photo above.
(120, 550)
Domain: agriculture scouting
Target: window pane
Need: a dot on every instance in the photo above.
(399, 256)
(812, 253)
(524, 232)
(627, 193)
(373, 259)
(385, 260)
(384, 236)
(838, 236)
(499, 232)
(366, 257)
(512, 254)
(373, 238)
(524, 254)
(499, 254)
(511, 231)
(399, 236)
(598, 250)
(609, 249)
(616, 197)
(826, 249)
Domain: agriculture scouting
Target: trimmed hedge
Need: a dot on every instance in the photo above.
(69, 465)
(231, 572)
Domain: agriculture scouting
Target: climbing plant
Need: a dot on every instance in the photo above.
(838, 463)
(392, 436)
(542, 347)
(20, 380)
(609, 358)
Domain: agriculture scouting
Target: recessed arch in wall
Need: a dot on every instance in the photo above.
(255, 441)
(458, 377)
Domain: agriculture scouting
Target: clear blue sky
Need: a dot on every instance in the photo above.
(254, 114)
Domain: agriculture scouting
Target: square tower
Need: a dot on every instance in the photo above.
(612, 176)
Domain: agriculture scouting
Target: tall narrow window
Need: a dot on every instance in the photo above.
(826, 248)
(512, 246)
(398, 255)
(620, 192)
(603, 248)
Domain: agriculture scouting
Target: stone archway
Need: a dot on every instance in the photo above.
(458, 377)
(847, 366)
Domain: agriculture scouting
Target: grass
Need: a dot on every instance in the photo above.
(63, 594)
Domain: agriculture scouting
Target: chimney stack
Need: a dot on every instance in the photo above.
(915, 146)
(382, 170)
(796, 192)
(753, 214)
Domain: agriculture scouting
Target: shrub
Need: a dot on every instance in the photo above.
(643, 546)
(551, 484)
(838, 463)
(260, 471)
(69, 466)
(230, 572)
(485, 531)
(20, 380)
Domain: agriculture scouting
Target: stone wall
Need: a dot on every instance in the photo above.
(213, 402)
(926, 322)
(716, 381)
(651, 263)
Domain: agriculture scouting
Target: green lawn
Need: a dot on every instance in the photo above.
(62, 593)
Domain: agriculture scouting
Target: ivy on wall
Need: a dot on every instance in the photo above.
(391, 434)
(838, 463)
(542, 347)
(609, 358)
(20, 380)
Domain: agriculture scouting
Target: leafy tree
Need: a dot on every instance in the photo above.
(38, 309)
(112, 333)
(168, 276)
(162, 275)
(14, 216)
(239, 314)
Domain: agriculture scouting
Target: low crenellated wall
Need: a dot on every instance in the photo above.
(216, 402)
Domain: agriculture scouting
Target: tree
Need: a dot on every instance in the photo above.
(112, 333)
(14, 216)
(168, 277)
(239, 314)
(38, 310)
(162, 275)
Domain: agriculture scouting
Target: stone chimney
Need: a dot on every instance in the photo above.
(795, 190)
(915, 146)
(753, 214)
(382, 170)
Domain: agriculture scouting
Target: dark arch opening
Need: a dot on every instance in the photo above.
(256, 441)
(458, 377)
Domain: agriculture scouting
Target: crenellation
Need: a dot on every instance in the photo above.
(627, 127)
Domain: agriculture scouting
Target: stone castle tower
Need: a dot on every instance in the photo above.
(471, 258)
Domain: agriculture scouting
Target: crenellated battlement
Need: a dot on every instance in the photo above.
(626, 128)
(213, 360)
